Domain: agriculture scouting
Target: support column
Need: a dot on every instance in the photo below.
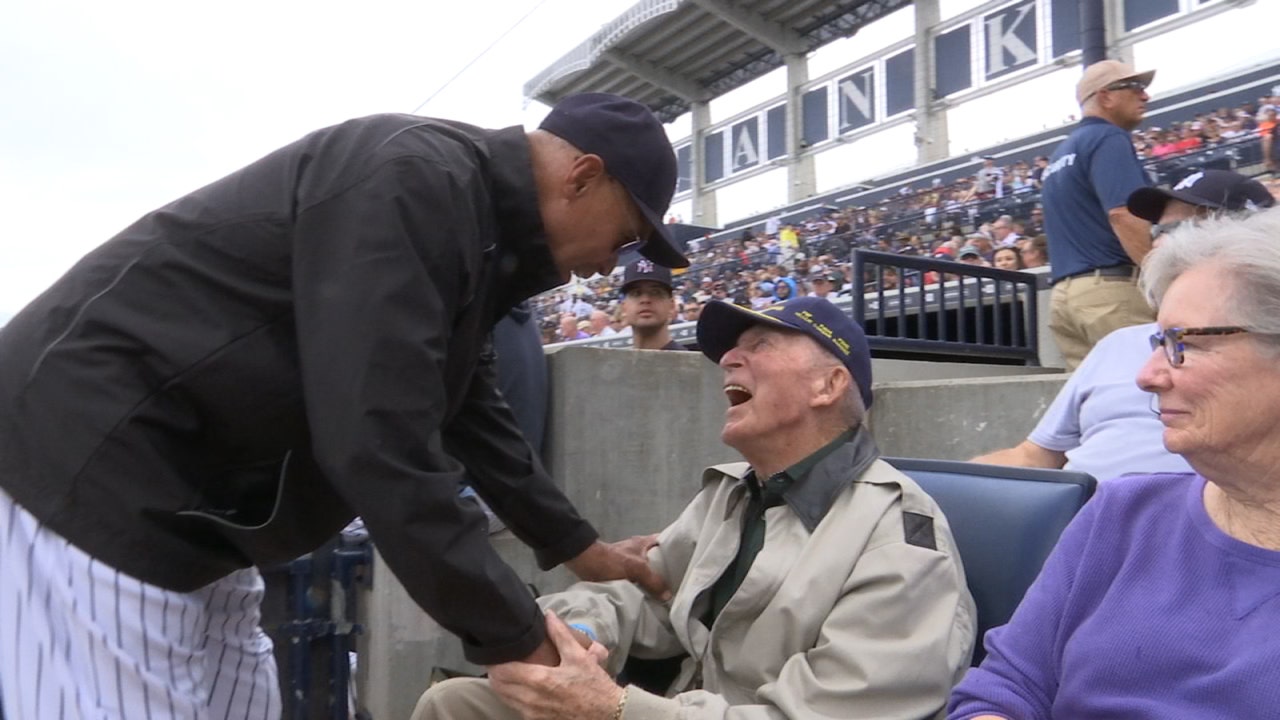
(703, 200)
(802, 179)
(1093, 31)
(1114, 12)
(932, 140)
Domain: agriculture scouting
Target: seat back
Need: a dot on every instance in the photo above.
(1005, 521)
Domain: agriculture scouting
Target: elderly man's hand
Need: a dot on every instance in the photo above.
(577, 688)
(624, 560)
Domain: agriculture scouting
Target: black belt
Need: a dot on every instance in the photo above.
(1108, 271)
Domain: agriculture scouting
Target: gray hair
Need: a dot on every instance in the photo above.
(1246, 248)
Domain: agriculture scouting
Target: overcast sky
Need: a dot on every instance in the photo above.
(112, 109)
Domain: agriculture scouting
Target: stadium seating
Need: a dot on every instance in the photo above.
(1005, 521)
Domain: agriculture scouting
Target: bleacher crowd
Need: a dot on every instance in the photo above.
(992, 218)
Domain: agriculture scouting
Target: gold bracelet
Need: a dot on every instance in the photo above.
(622, 705)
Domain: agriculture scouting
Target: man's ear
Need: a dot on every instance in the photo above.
(832, 383)
(586, 170)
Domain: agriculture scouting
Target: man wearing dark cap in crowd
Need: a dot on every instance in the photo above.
(648, 305)
(831, 580)
(228, 381)
(971, 255)
(826, 283)
(1096, 243)
(1101, 421)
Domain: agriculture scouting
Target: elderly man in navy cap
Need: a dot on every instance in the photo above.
(231, 379)
(812, 580)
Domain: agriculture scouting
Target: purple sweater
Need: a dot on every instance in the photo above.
(1145, 609)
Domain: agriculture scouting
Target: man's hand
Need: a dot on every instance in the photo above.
(546, 653)
(578, 688)
(624, 560)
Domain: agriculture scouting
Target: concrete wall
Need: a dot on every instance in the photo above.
(628, 435)
(958, 419)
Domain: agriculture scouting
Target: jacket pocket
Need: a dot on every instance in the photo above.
(244, 497)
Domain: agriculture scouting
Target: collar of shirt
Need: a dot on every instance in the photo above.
(1094, 120)
(809, 487)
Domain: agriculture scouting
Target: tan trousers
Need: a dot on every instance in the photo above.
(462, 699)
(1085, 309)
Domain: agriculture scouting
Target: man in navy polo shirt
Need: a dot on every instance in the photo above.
(1095, 242)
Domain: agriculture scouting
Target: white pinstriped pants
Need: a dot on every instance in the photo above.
(79, 640)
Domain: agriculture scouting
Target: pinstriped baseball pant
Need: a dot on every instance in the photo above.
(81, 640)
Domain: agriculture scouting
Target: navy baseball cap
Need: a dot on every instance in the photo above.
(645, 269)
(636, 152)
(721, 324)
(1213, 189)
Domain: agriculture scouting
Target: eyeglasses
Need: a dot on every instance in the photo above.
(1119, 85)
(1159, 229)
(1126, 85)
(1171, 339)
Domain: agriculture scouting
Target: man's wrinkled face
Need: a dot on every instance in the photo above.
(769, 380)
(1125, 103)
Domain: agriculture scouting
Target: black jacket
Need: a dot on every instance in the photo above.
(232, 378)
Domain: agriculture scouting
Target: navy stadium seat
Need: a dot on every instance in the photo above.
(1005, 521)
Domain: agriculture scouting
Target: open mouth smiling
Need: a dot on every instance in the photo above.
(737, 394)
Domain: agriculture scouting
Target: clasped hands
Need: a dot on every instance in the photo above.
(566, 677)
(578, 687)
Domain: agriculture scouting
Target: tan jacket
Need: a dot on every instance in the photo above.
(856, 606)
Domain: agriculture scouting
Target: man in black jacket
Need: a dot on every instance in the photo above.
(231, 379)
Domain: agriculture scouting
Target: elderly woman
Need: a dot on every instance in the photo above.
(1162, 598)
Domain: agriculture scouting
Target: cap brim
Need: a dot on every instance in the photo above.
(1143, 77)
(623, 288)
(1149, 203)
(659, 247)
(721, 323)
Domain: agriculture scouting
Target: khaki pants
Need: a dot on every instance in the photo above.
(462, 699)
(1085, 309)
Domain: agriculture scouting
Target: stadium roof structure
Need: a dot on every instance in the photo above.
(670, 54)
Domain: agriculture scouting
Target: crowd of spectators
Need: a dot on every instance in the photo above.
(991, 218)
(1205, 130)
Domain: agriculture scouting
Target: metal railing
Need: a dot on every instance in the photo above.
(971, 313)
(941, 307)
(310, 614)
(1232, 154)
